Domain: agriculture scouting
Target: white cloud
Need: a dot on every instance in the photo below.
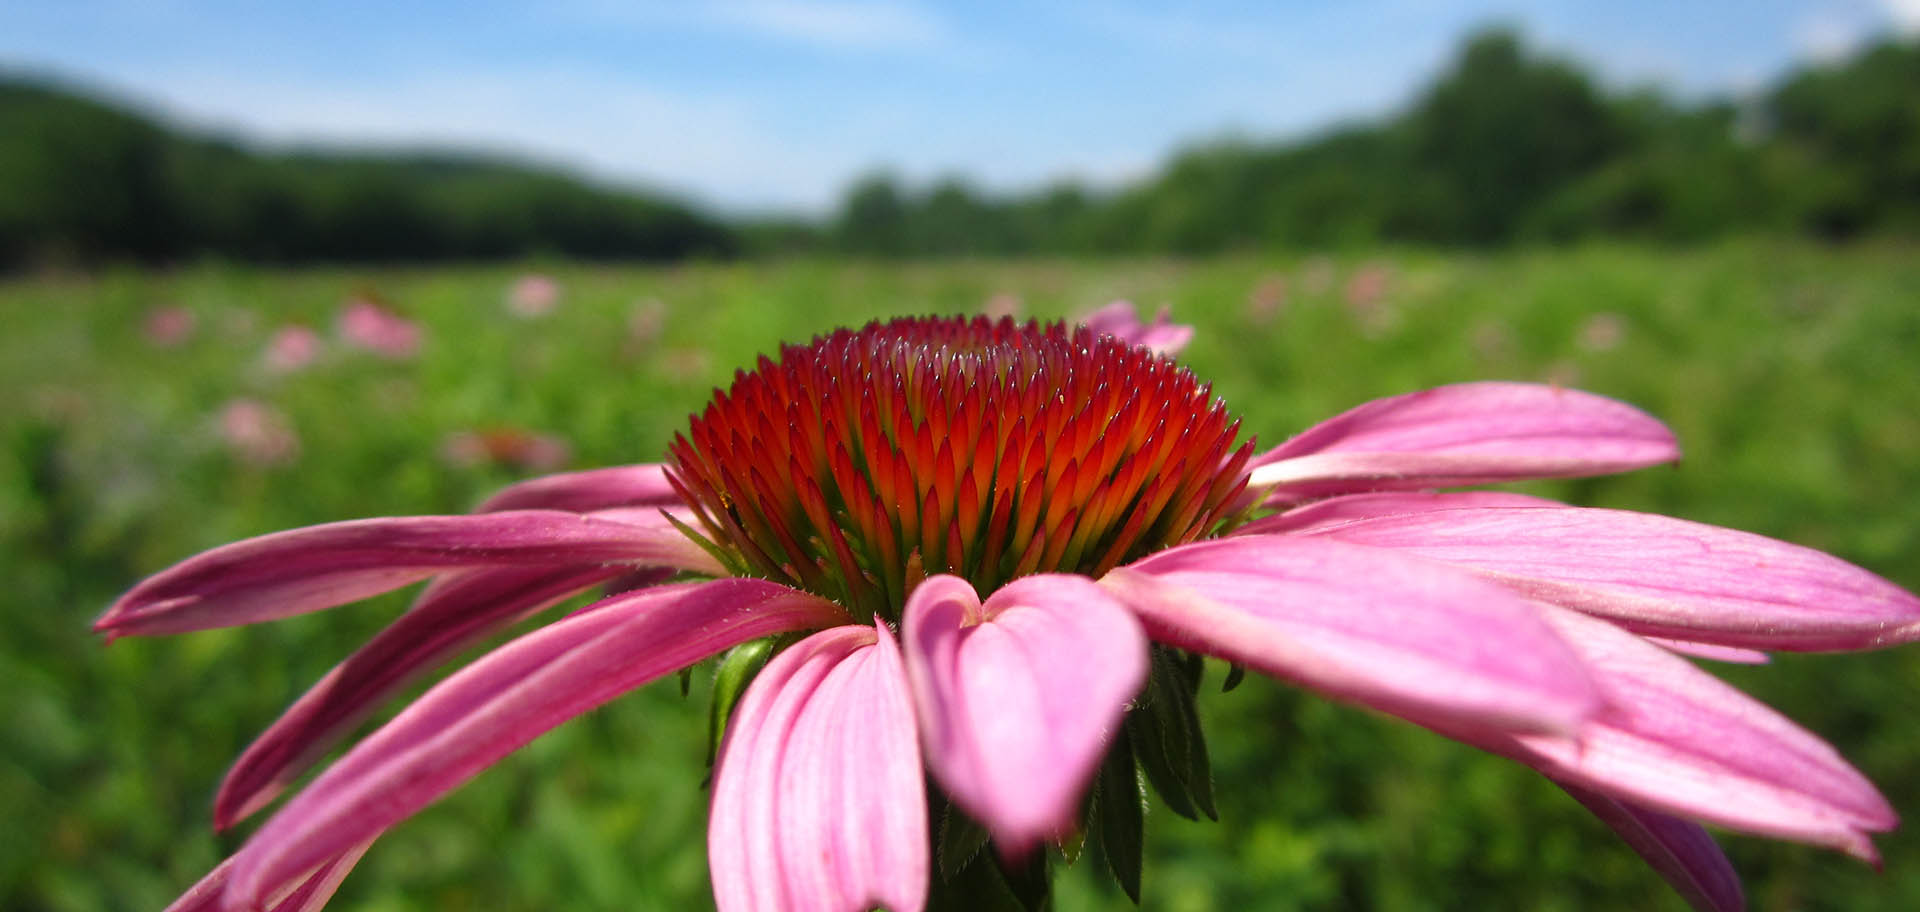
(1829, 36)
(836, 25)
(709, 146)
(1904, 13)
(840, 24)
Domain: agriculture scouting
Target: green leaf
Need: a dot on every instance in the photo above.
(1150, 748)
(1120, 811)
(979, 881)
(1166, 735)
(961, 838)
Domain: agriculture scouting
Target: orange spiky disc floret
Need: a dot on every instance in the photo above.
(865, 460)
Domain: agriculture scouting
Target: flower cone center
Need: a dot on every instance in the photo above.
(857, 464)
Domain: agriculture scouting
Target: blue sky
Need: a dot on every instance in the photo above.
(775, 105)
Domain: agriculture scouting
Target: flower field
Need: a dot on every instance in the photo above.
(148, 416)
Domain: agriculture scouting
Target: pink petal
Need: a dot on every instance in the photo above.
(642, 485)
(1657, 575)
(1675, 739)
(317, 567)
(506, 699)
(1733, 654)
(1019, 698)
(1412, 638)
(1680, 850)
(304, 895)
(1119, 320)
(1469, 433)
(818, 801)
(453, 614)
(1338, 511)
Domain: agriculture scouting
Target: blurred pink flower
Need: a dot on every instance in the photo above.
(169, 326)
(1266, 300)
(367, 325)
(1316, 276)
(646, 322)
(258, 434)
(685, 363)
(1366, 299)
(533, 295)
(516, 448)
(1001, 304)
(292, 348)
(1603, 332)
(1162, 336)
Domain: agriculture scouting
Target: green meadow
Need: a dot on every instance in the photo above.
(1788, 371)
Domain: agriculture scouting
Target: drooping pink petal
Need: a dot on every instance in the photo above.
(306, 894)
(818, 802)
(1680, 850)
(1674, 739)
(1413, 638)
(287, 573)
(643, 485)
(1119, 320)
(453, 614)
(1656, 575)
(1465, 434)
(1019, 698)
(506, 699)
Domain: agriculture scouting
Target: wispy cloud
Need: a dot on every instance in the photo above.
(833, 25)
(1904, 13)
(631, 133)
(849, 25)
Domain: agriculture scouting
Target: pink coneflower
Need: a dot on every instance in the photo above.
(1266, 300)
(1162, 336)
(364, 323)
(1602, 332)
(533, 296)
(258, 433)
(994, 552)
(169, 326)
(511, 447)
(292, 348)
(1001, 304)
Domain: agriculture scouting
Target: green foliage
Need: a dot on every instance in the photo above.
(1505, 145)
(1786, 370)
(81, 180)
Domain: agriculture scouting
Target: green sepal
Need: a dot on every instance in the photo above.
(973, 880)
(1119, 813)
(686, 681)
(736, 670)
(961, 838)
(1166, 737)
(728, 559)
(985, 885)
(1236, 673)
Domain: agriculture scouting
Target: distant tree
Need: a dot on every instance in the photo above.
(873, 219)
(1497, 136)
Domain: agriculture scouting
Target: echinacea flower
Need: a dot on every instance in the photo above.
(365, 324)
(258, 433)
(292, 348)
(533, 295)
(993, 552)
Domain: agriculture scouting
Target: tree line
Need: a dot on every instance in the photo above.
(1506, 145)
